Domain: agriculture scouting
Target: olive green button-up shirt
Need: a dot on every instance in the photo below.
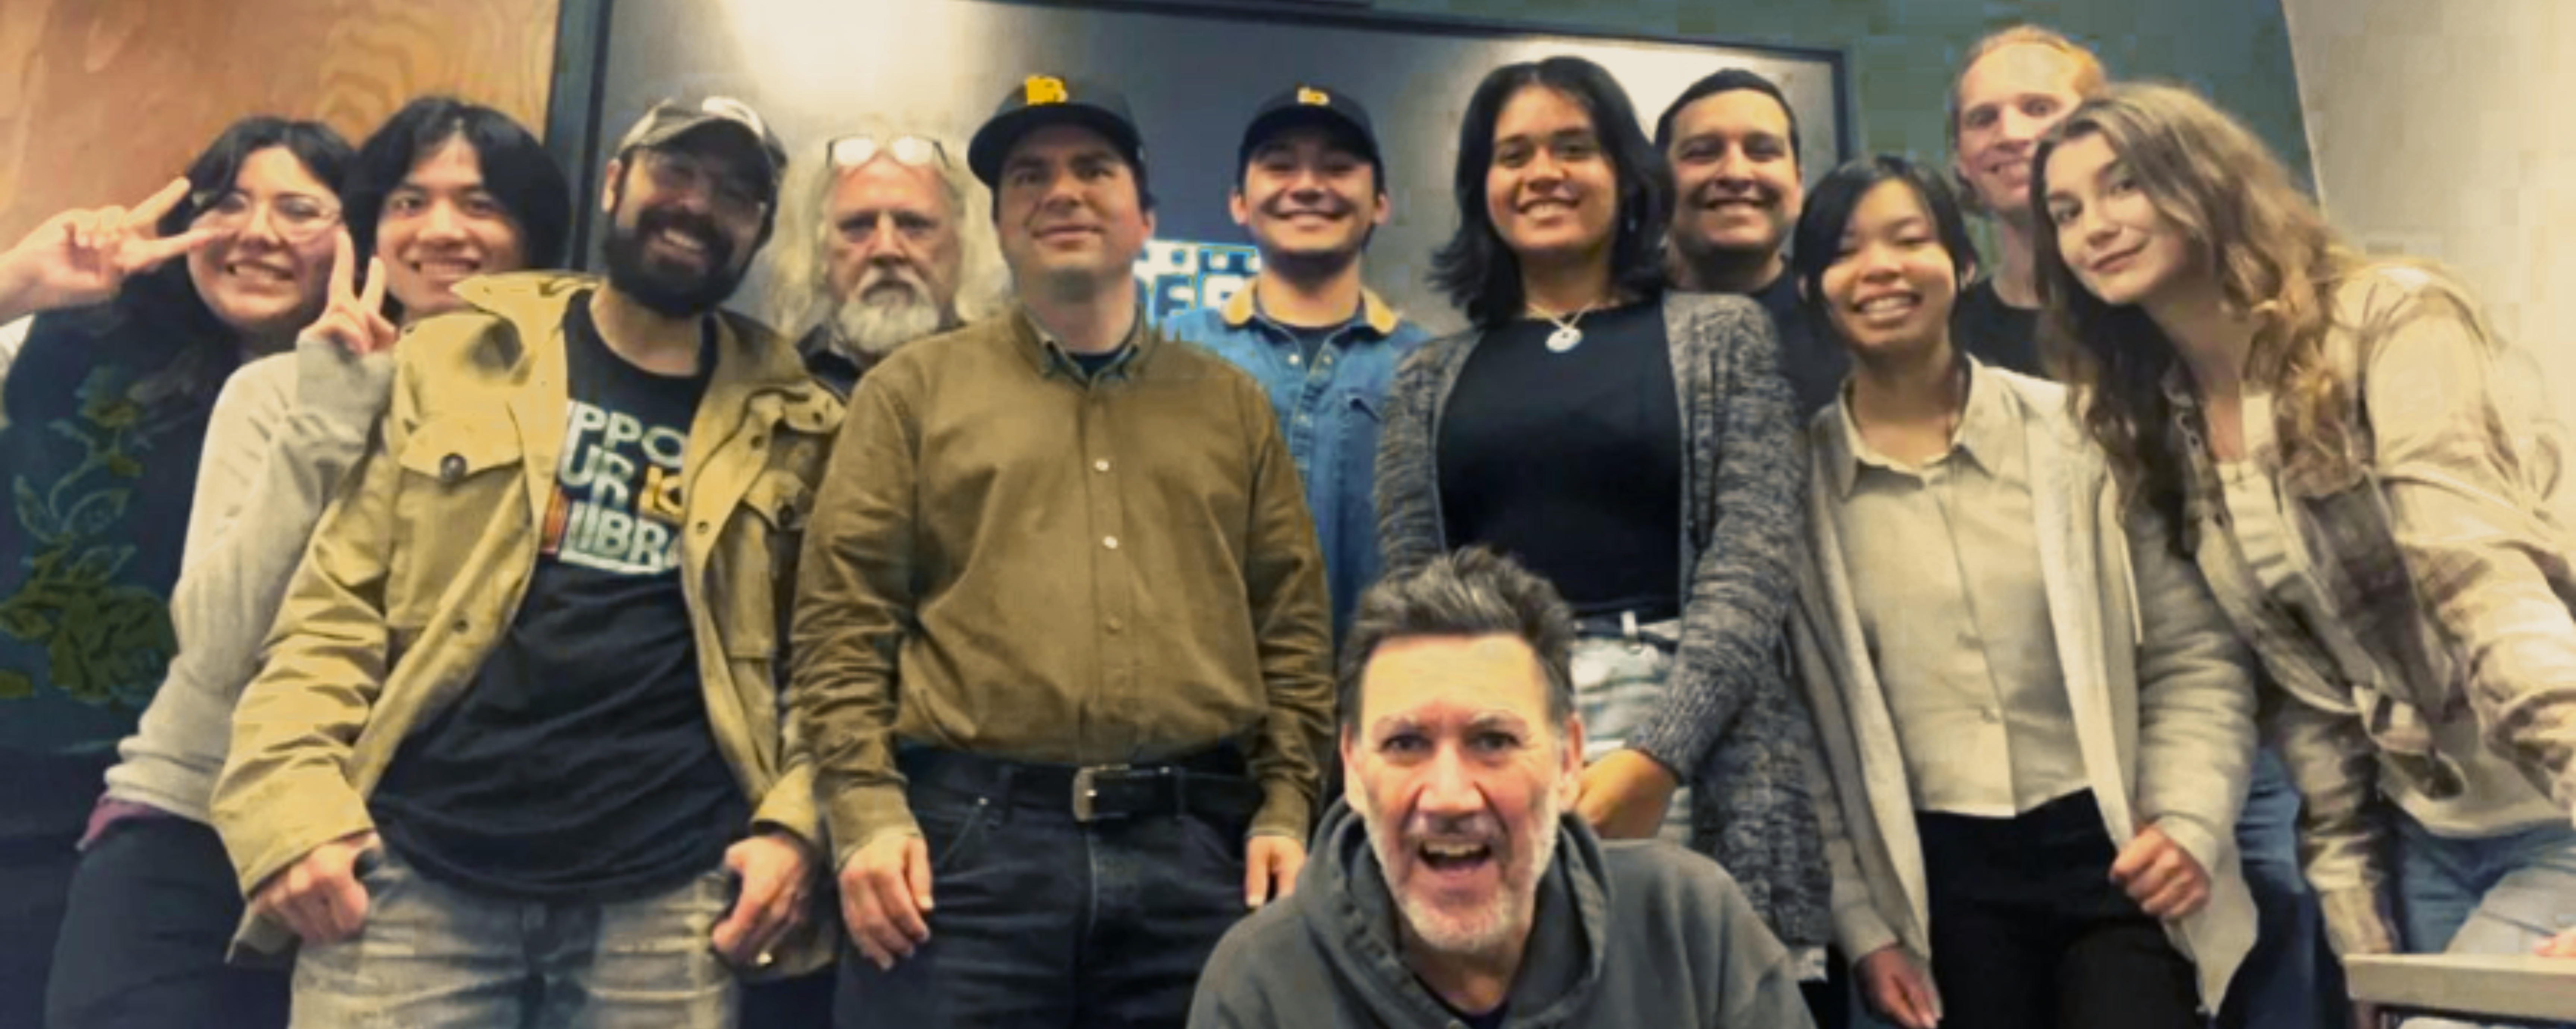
(1066, 568)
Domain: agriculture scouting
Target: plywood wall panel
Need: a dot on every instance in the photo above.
(103, 100)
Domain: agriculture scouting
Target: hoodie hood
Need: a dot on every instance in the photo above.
(1351, 918)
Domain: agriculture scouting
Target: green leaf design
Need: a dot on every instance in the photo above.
(24, 621)
(16, 686)
(100, 564)
(32, 512)
(95, 512)
(113, 647)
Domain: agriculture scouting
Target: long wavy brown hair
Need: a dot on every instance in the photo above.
(2275, 259)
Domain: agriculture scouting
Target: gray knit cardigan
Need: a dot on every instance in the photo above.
(1728, 714)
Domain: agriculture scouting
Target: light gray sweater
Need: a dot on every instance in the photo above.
(283, 434)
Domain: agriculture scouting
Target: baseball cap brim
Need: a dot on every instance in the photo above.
(1285, 118)
(993, 142)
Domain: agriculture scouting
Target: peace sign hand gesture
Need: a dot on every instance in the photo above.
(83, 256)
(355, 320)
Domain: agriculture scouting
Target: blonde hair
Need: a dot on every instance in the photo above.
(800, 288)
(2275, 260)
(2090, 80)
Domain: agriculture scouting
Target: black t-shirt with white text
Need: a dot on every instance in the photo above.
(579, 767)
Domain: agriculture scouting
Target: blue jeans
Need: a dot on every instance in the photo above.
(432, 956)
(2492, 895)
(1045, 923)
(2278, 985)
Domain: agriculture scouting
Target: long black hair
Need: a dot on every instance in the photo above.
(1480, 274)
(517, 171)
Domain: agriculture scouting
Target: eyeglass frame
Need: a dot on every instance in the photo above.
(692, 173)
(209, 206)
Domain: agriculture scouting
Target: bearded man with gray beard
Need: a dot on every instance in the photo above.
(1452, 888)
(878, 246)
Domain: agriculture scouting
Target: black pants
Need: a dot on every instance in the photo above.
(1045, 923)
(2028, 931)
(152, 909)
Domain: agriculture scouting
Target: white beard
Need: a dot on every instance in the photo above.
(877, 328)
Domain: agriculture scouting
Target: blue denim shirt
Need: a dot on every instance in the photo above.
(1329, 413)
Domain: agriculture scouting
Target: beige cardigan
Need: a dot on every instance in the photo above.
(2160, 684)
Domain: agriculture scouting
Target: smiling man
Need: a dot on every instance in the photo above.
(1310, 188)
(1084, 547)
(1732, 140)
(2014, 86)
(1455, 888)
(513, 758)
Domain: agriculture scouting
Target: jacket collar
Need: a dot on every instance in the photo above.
(749, 355)
(1244, 306)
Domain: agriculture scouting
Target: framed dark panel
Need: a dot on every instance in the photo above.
(1193, 70)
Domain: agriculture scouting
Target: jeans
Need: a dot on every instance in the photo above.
(1045, 923)
(433, 957)
(153, 909)
(2492, 895)
(2278, 986)
(47, 806)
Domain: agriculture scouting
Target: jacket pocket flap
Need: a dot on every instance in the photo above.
(454, 447)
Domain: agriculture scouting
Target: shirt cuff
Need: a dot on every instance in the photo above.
(1284, 810)
(2194, 838)
(859, 815)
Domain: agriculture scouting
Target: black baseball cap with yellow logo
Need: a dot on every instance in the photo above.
(1042, 100)
(1307, 104)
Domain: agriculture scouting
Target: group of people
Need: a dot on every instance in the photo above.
(1751, 608)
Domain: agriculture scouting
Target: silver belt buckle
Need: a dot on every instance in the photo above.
(1085, 791)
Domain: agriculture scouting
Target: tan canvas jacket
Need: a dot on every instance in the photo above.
(421, 563)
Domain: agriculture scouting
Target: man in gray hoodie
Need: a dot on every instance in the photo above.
(1451, 889)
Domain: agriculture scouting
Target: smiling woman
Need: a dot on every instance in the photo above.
(2372, 483)
(1664, 519)
(103, 418)
(443, 190)
(1975, 813)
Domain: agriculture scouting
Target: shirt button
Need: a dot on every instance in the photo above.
(1115, 625)
(1100, 466)
(1305, 419)
(460, 626)
(1109, 541)
(704, 528)
(1992, 715)
(1294, 360)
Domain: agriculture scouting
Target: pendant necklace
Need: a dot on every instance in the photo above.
(1567, 335)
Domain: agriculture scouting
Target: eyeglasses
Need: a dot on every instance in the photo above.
(852, 151)
(298, 218)
(678, 172)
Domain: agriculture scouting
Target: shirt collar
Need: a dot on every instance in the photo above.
(1986, 433)
(1052, 358)
(1375, 315)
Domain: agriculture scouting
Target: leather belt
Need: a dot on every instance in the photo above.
(1210, 784)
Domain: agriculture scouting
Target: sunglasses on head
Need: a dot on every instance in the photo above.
(853, 151)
